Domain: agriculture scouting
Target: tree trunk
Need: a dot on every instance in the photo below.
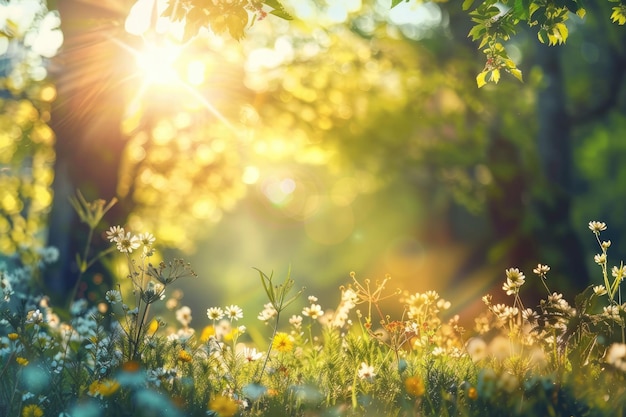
(86, 118)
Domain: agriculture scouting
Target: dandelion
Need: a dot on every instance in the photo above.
(113, 297)
(597, 227)
(184, 356)
(32, 410)
(127, 243)
(314, 311)
(223, 406)
(206, 333)
(366, 371)
(233, 312)
(103, 388)
(215, 313)
(414, 385)
(282, 342)
(183, 315)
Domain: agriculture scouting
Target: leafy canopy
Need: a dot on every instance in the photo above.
(495, 21)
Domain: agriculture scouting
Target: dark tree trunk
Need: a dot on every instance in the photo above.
(555, 233)
(86, 118)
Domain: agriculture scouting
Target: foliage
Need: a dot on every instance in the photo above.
(121, 360)
(495, 22)
(28, 38)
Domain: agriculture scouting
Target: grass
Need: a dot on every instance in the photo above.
(117, 358)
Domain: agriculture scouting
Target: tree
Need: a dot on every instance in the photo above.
(466, 158)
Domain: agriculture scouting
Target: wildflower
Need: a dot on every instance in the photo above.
(605, 244)
(600, 259)
(223, 406)
(530, 315)
(184, 356)
(477, 349)
(215, 313)
(282, 342)
(206, 333)
(515, 277)
(49, 254)
(616, 356)
(146, 239)
(234, 312)
(312, 299)
(314, 311)
(34, 316)
(183, 315)
(472, 393)
(115, 233)
(611, 312)
(32, 410)
(127, 243)
(268, 313)
(251, 354)
(599, 290)
(13, 336)
(103, 388)
(366, 371)
(21, 361)
(618, 272)
(113, 297)
(414, 385)
(296, 321)
(541, 270)
(597, 227)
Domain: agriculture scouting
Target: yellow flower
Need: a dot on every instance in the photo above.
(184, 356)
(21, 361)
(104, 388)
(13, 336)
(282, 342)
(207, 332)
(152, 327)
(472, 393)
(414, 385)
(223, 406)
(32, 410)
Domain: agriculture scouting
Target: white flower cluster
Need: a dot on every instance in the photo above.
(127, 242)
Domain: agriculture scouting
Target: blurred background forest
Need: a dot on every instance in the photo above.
(352, 138)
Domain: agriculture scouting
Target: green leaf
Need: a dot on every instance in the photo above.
(282, 14)
(279, 9)
(521, 9)
(467, 4)
(517, 74)
(480, 79)
(394, 3)
(495, 75)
